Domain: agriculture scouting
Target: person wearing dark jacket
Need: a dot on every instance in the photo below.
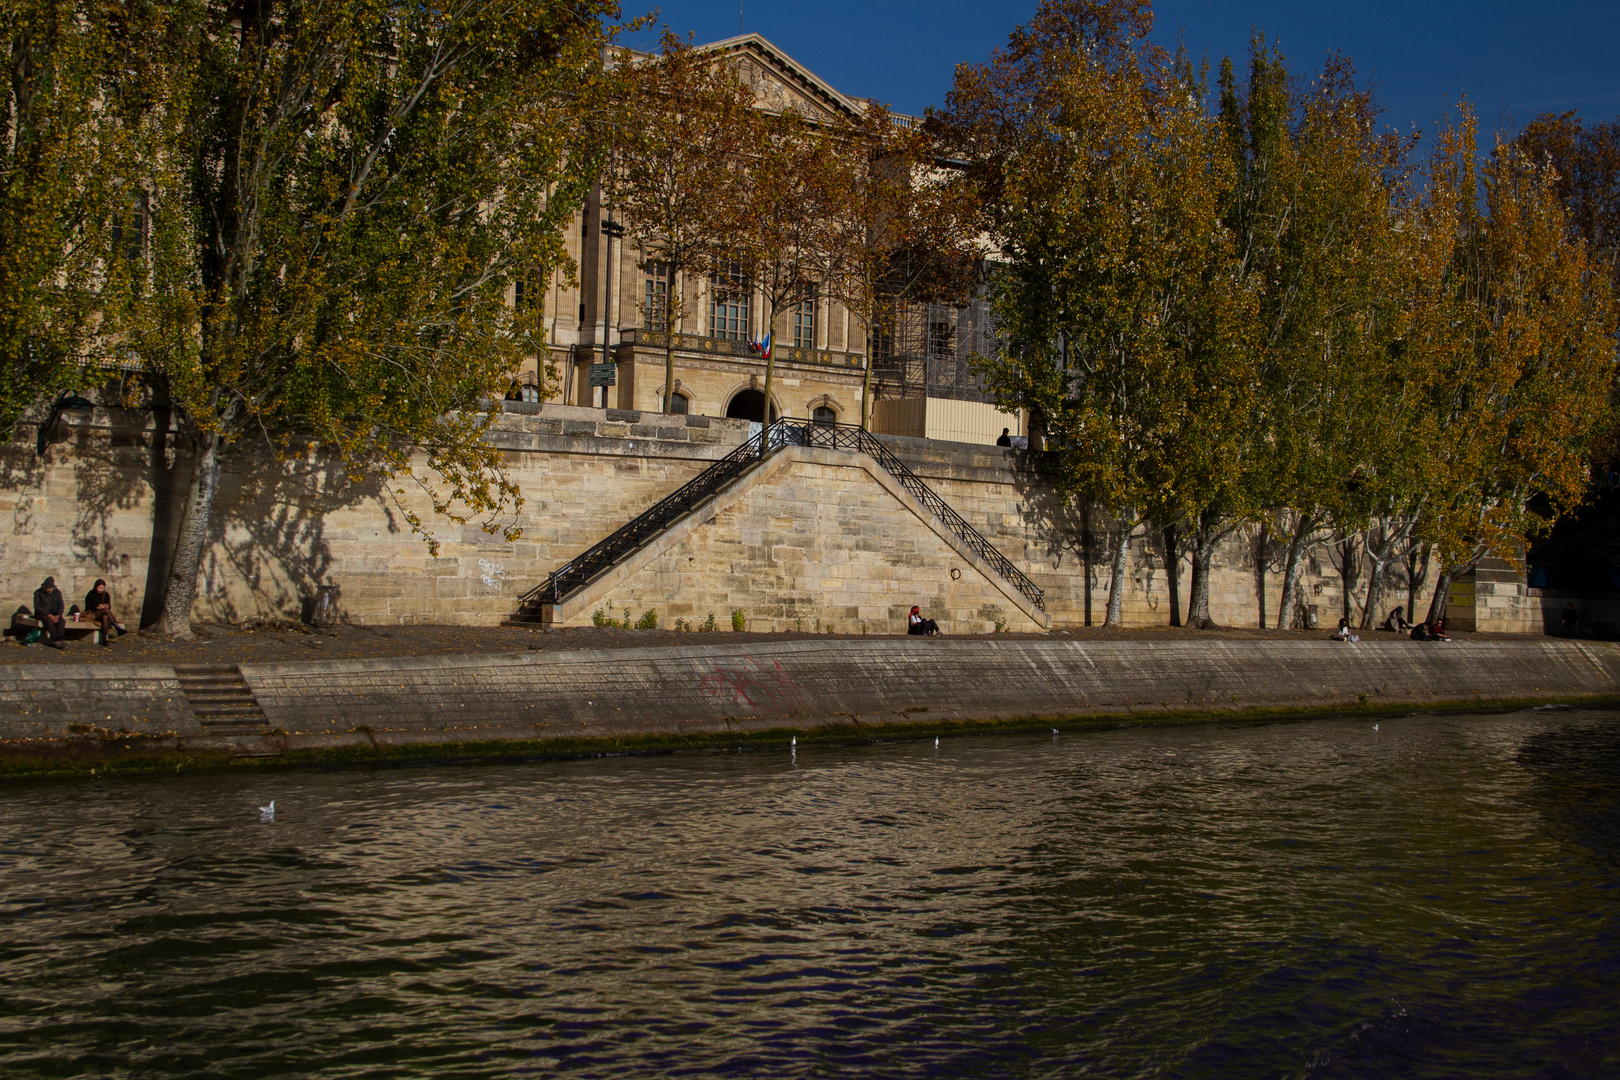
(917, 625)
(48, 610)
(1006, 437)
(98, 609)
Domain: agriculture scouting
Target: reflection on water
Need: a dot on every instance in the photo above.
(1433, 898)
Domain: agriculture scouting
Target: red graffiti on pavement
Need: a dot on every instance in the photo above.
(759, 687)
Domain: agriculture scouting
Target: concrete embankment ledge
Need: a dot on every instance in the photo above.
(68, 716)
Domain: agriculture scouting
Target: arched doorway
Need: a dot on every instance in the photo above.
(749, 405)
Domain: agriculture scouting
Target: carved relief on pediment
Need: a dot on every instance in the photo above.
(773, 92)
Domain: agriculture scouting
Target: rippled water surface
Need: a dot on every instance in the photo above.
(1433, 898)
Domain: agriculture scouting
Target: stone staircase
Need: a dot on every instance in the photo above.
(222, 699)
(537, 605)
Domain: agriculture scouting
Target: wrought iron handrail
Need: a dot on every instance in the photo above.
(580, 571)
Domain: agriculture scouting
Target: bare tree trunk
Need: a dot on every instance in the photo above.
(1122, 558)
(866, 391)
(181, 588)
(1260, 561)
(1348, 560)
(1442, 588)
(1378, 557)
(1198, 602)
(669, 371)
(1296, 563)
(1442, 593)
(770, 376)
(1417, 568)
(1172, 574)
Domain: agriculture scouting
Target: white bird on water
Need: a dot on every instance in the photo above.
(1375, 727)
(936, 742)
(793, 741)
(268, 813)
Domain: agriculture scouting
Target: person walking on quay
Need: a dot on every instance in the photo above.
(98, 609)
(917, 625)
(48, 610)
(1570, 619)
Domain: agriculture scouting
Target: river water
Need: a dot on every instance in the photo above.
(1432, 898)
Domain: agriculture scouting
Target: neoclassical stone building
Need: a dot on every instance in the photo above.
(821, 349)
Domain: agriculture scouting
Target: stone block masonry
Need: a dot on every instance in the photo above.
(715, 689)
(823, 543)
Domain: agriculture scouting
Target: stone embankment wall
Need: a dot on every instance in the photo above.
(823, 541)
(717, 688)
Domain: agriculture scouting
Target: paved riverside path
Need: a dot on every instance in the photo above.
(799, 684)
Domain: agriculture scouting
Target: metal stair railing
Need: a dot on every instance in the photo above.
(847, 437)
(580, 571)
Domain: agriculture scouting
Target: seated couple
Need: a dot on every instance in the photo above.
(53, 622)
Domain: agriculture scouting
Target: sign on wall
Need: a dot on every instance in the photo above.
(604, 374)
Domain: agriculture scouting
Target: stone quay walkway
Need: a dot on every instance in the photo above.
(356, 693)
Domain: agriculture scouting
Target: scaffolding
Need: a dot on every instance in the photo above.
(926, 350)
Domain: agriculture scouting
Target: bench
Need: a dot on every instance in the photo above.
(73, 629)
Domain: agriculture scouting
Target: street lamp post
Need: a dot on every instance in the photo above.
(612, 230)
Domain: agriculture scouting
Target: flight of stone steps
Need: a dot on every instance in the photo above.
(222, 700)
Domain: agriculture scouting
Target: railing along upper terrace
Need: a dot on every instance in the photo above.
(713, 346)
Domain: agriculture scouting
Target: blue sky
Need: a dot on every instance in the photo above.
(1512, 60)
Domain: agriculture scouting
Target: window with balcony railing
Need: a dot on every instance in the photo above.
(655, 296)
(804, 323)
(728, 304)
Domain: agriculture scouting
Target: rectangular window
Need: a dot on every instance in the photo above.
(804, 323)
(129, 230)
(941, 340)
(882, 334)
(728, 306)
(655, 296)
(527, 293)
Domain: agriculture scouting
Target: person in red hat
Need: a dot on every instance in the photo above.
(916, 624)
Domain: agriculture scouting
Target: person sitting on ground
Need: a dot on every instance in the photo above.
(48, 610)
(1344, 633)
(1397, 621)
(1006, 437)
(98, 609)
(1420, 632)
(1437, 630)
(916, 624)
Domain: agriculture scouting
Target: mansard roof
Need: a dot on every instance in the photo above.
(779, 81)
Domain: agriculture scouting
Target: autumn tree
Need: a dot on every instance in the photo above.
(779, 216)
(71, 212)
(900, 233)
(1585, 165)
(1521, 384)
(1316, 213)
(344, 194)
(1585, 160)
(1101, 183)
(682, 121)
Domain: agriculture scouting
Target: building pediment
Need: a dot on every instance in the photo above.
(779, 82)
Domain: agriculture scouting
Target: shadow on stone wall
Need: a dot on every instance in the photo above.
(1063, 528)
(269, 533)
(131, 473)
